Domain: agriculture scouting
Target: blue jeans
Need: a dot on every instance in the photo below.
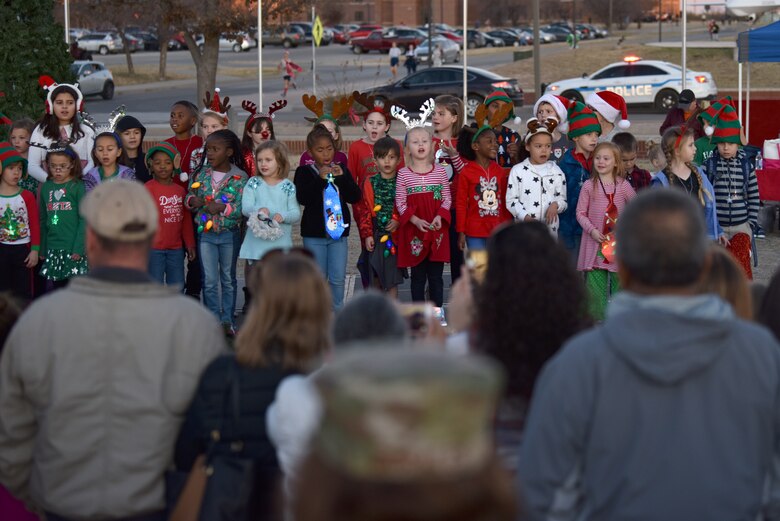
(219, 268)
(476, 243)
(167, 267)
(331, 256)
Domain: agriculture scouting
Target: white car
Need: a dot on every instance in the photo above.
(93, 78)
(640, 82)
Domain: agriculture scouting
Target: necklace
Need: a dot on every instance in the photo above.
(186, 156)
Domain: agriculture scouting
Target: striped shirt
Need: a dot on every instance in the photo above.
(735, 205)
(409, 182)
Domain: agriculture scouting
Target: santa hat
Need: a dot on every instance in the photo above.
(49, 85)
(582, 120)
(559, 106)
(216, 106)
(9, 155)
(611, 106)
(500, 95)
(727, 126)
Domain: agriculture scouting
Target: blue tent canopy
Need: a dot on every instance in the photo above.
(760, 45)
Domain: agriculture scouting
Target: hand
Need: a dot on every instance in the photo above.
(214, 207)
(369, 243)
(75, 257)
(514, 151)
(461, 241)
(597, 235)
(336, 170)
(265, 211)
(528, 218)
(421, 224)
(461, 308)
(278, 218)
(392, 226)
(436, 223)
(196, 202)
(723, 241)
(448, 147)
(190, 254)
(552, 213)
(31, 260)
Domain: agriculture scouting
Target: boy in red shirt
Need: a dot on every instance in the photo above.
(166, 264)
(184, 117)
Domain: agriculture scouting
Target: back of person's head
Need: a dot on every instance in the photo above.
(769, 312)
(626, 142)
(369, 316)
(662, 240)
(288, 323)
(523, 320)
(385, 145)
(726, 279)
(9, 314)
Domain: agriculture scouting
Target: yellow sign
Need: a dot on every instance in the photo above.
(316, 31)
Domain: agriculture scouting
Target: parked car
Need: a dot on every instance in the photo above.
(382, 41)
(149, 40)
(239, 42)
(364, 30)
(76, 33)
(492, 41)
(450, 51)
(346, 28)
(452, 36)
(412, 91)
(560, 32)
(339, 36)
(507, 37)
(327, 37)
(177, 43)
(286, 36)
(134, 43)
(640, 82)
(102, 43)
(474, 39)
(544, 36)
(93, 78)
(598, 32)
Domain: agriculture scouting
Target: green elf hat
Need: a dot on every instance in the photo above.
(709, 114)
(172, 152)
(501, 95)
(726, 126)
(9, 156)
(582, 120)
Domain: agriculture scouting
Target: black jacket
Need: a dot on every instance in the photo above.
(309, 187)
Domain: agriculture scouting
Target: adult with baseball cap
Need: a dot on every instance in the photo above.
(95, 379)
(686, 112)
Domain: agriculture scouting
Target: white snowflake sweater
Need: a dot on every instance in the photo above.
(533, 188)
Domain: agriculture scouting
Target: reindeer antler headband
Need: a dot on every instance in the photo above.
(340, 108)
(254, 115)
(498, 118)
(373, 104)
(425, 111)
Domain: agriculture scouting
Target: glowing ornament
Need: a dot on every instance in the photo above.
(209, 198)
(200, 228)
(204, 218)
(377, 208)
(209, 225)
(224, 199)
(384, 238)
(237, 177)
(195, 185)
(386, 253)
(389, 244)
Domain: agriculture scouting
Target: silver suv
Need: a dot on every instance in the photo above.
(102, 43)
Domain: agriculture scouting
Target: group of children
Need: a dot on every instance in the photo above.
(418, 204)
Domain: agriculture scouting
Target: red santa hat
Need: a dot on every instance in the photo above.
(611, 106)
(50, 85)
(560, 106)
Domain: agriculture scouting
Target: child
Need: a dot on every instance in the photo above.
(132, 133)
(61, 122)
(584, 130)
(552, 106)
(611, 110)
(21, 131)
(480, 202)
(107, 155)
(259, 128)
(215, 197)
(19, 226)
(184, 117)
(381, 221)
(166, 263)
(598, 209)
(62, 227)
(508, 140)
(704, 145)
(655, 155)
(213, 118)
(288, 68)
(423, 199)
(734, 182)
(680, 173)
(331, 122)
(627, 144)
(269, 203)
(324, 189)
(537, 186)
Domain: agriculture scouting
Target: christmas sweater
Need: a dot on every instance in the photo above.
(62, 227)
(19, 219)
(506, 136)
(227, 191)
(279, 198)
(29, 183)
(175, 223)
(480, 201)
(379, 200)
(533, 188)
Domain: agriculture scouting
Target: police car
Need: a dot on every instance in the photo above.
(640, 82)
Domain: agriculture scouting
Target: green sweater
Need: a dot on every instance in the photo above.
(62, 228)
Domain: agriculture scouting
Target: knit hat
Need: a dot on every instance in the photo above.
(582, 120)
(128, 122)
(49, 85)
(500, 95)
(9, 155)
(172, 153)
(707, 115)
(611, 106)
(727, 126)
(559, 106)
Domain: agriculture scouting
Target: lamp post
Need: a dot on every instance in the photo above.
(259, 54)
(684, 43)
(67, 22)
(660, 19)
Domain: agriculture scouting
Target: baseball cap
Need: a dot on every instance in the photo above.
(121, 210)
(686, 98)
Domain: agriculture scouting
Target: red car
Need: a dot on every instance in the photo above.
(363, 31)
(339, 36)
(452, 36)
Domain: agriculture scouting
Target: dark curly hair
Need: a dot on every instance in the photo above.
(531, 301)
(768, 313)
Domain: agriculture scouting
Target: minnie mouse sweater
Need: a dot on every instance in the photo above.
(480, 199)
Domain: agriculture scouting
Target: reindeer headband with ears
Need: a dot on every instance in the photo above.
(340, 109)
(536, 127)
(498, 118)
(373, 104)
(254, 115)
(216, 106)
(426, 110)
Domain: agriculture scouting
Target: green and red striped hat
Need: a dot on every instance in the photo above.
(9, 155)
(582, 120)
(727, 126)
(501, 95)
(709, 113)
(171, 150)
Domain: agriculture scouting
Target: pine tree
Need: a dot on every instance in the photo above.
(31, 44)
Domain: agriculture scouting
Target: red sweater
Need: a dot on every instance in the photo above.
(480, 204)
(175, 225)
(185, 147)
(20, 224)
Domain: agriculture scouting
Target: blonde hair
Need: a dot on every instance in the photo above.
(280, 153)
(726, 279)
(454, 106)
(407, 154)
(618, 172)
(654, 150)
(670, 146)
(289, 321)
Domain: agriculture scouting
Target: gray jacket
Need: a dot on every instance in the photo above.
(95, 380)
(669, 411)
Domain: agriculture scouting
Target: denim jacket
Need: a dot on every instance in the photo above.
(710, 213)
